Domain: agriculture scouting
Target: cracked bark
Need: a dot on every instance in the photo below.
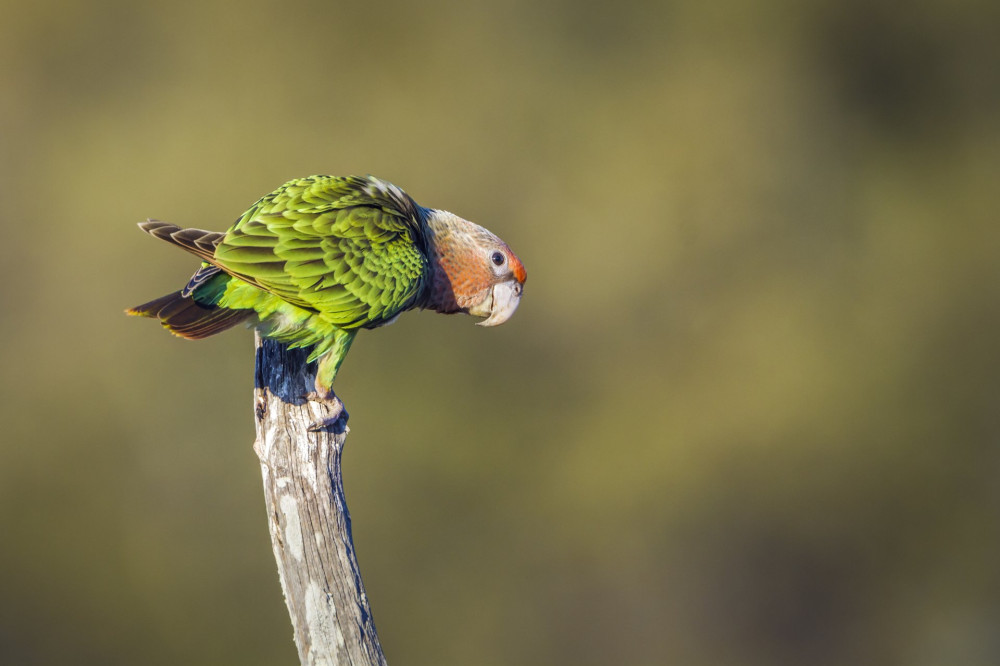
(307, 514)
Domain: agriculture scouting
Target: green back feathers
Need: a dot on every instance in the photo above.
(349, 249)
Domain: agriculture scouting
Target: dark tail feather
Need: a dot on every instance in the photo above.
(188, 319)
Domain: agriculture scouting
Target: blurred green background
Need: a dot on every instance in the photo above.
(748, 412)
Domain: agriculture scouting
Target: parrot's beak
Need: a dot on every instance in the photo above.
(501, 303)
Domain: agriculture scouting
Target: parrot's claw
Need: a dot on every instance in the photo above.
(331, 422)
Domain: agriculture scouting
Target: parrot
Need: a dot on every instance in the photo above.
(322, 257)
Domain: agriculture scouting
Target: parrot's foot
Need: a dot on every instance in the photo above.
(339, 413)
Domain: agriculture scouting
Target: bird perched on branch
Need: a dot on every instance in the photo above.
(322, 257)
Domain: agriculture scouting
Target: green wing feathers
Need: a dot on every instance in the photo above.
(349, 249)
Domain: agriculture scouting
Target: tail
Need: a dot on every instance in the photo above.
(185, 317)
(180, 312)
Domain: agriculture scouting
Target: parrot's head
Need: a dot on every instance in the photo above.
(473, 270)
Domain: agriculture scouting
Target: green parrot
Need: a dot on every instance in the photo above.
(322, 257)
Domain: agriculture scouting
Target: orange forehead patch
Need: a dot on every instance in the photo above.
(518, 268)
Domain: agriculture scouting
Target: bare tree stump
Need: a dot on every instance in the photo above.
(307, 515)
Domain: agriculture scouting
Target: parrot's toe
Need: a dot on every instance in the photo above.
(334, 421)
(331, 423)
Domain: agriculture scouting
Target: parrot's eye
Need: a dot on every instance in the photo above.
(498, 258)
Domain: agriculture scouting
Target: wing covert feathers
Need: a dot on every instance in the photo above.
(348, 248)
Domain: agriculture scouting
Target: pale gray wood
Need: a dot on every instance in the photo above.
(307, 514)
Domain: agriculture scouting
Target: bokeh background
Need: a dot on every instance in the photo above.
(748, 412)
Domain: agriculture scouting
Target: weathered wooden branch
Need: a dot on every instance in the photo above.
(307, 514)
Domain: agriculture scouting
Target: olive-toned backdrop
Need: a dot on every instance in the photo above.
(748, 412)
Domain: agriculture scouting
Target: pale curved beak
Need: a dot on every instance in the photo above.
(504, 299)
